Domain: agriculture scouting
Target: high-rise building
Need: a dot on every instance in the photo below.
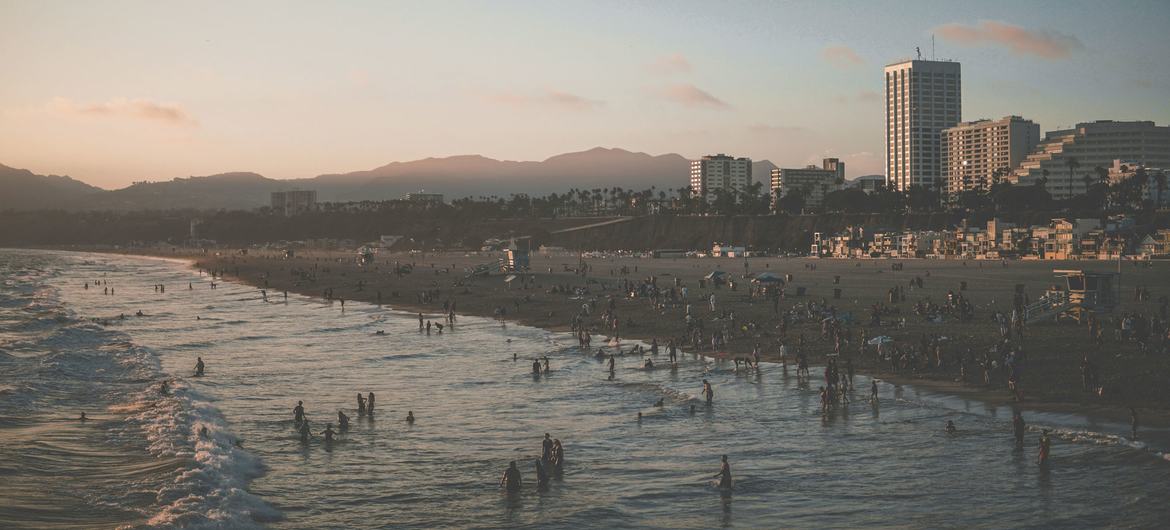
(922, 99)
(1068, 160)
(294, 202)
(812, 182)
(978, 153)
(715, 173)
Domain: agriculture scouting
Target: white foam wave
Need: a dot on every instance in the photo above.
(212, 491)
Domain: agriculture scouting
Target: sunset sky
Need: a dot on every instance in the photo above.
(114, 92)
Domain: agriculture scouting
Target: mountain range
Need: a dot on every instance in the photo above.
(455, 177)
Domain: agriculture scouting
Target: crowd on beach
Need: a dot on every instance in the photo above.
(709, 323)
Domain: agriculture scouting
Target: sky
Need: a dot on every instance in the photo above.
(112, 92)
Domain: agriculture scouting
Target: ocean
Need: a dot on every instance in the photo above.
(141, 461)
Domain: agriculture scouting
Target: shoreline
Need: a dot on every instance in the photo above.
(1153, 415)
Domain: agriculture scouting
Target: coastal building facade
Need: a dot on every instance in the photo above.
(714, 174)
(1067, 161)
(977, 154)
(812, 182)
(922, 99)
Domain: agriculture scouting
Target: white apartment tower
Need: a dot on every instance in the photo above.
(922, 99)
(714, 173)
(978, 153)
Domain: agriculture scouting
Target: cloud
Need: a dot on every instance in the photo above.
(1021, 41)
(690, 95)
(555, 98)
(674, 63)
(841, 56)
(141, 109)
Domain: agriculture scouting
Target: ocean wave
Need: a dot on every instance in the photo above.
(212, 491)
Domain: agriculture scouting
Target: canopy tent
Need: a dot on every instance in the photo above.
(715, 275)
(767, 277)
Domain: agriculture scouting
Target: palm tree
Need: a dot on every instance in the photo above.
(1073, 164)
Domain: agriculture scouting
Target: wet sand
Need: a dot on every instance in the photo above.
(1051, 381)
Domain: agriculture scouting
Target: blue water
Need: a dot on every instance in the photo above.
(140, 460)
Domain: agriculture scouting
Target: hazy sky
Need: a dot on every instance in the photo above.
(113, 92)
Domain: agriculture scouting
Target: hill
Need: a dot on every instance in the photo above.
(454, 176)
(24, 190)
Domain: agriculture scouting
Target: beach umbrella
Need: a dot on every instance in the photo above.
(880, 340)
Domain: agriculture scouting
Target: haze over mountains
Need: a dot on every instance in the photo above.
(455, 177)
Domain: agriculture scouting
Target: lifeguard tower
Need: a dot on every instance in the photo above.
(1083, 293)
(516, 255)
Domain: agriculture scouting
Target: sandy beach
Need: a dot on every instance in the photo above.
(1052, 380)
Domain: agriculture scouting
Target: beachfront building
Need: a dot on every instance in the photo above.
(922, 99)
(294, 202)
(867, 183)
(977, 154)
(1155, 188)
(812, 183)
(1066, 161)
(1155, 245)
(422, 197)
(715, 174)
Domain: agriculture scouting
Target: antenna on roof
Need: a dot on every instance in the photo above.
(932, 56)
(918, 51)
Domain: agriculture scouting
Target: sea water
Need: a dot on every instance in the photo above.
(141, 460)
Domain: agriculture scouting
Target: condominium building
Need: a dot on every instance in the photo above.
(713, 174)
(978, 153)
(1066, 161)
(812, 182)
(922, 99)
(294, 202)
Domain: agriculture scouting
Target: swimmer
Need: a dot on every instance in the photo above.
(536, 366)
(328, 433)
(708, 392)
(410, 416)
(1018, 427)
(724, 475)
(342, 421)
(611, 361)
(546, 446)
(370, 404)
(380, 332)
(139, 313)
(198, 367)
(1045, 445)
(546, 366)
(873, 395)
(511, 480)
(648, 365)
(541, 475)
(83, 418)
(639, 416)
(361, 404)
(204, 432)
(164, 389)
(660, 402)
(950, 428)
(692, 408)
(299, 412)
